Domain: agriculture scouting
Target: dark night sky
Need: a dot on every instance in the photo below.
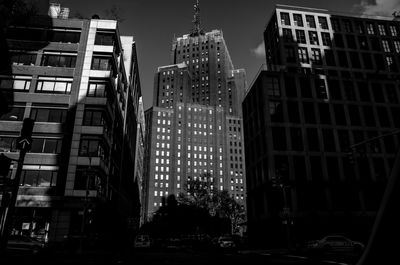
(153, 23)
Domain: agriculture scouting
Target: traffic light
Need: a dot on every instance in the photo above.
(27, 127)
(5, 163)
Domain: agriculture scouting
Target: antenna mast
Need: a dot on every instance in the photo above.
(197, 30)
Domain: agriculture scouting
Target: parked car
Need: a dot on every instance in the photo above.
(25, 243)
(143, 241)
(226, 242)
(335, 243)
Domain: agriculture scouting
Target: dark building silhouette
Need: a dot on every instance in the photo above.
(194, 126)
(331, 81)
(81, 176)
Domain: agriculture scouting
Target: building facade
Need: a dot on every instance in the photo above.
(330, 83)
(195, 124)
(79, 80)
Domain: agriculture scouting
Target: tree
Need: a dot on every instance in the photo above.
(202, 192)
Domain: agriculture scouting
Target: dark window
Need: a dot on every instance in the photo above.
(391, 93)
(94, 117)
(287, 35)
(305, 87)
(379, 169)
(326, 39)
(335, 90)
(329, 140)
(344, 140)
(354, 114)
(310, 21)
(324, 113)
(339, 114)
(97, 89)
(348, 27)
(285, 19)
(338, 40)
(23, 58)
(375, 43)
(296, 137)
(43, 114)
(276, 110)
(46, 145)
(335, 24)
(313, 37)
(379, 62)
(104, 38)
(323, 22)
(320, 89)
(290, 55)
(93, 146)
(377, 92)
(85, 178)
(38, 178)
(101, 63)
(301, 36)
(309, 112)
(367, 61)
(313, 139)
(362, 41)
(55, 60)
(351, 42)
(342, 59)
(330, 58)
(383, 116)
(293, 112)
(298, 20)
(333, 168)
(316, 168)
(363, 91)
(349, 90)
(63, 36)
(300, 169)
(290, 86)
(359, 27)
(272, 86)
(355, 60)
(279, 138)
(369, 116)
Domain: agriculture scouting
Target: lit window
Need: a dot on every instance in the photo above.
(156, 176)
(157, 161)
(155, 193)
(178, 186)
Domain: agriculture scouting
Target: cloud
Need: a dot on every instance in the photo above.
(259, 51)
(379, 7)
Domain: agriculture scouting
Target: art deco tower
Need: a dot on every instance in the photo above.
(195, 124)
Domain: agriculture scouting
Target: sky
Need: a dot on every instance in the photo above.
(154, 23)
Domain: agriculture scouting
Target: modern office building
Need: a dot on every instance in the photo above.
(79, 80)
(194, 126)
(331, 81)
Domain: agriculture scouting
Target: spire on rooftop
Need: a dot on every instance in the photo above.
(197, 30)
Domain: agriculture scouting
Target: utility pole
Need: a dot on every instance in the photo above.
(24, 143)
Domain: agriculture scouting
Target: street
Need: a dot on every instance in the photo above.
(184, 257)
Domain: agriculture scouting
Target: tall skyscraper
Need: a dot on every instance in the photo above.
(331, 86)
(194, 126)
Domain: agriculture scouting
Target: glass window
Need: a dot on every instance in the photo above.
(303, 55)
(57, 85)
(104, 38)
(313, 37)
(310, 20)
(101, 63)
(43, 114)
(298, 20)
(16, 113)
(323, 22)
(301, 36)
(313, 139)
(56, 60)
(285, 19)
(316, 56)
(309, 112)
(23, 58)
(326, 39)
(382, 29)
(320, 89)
